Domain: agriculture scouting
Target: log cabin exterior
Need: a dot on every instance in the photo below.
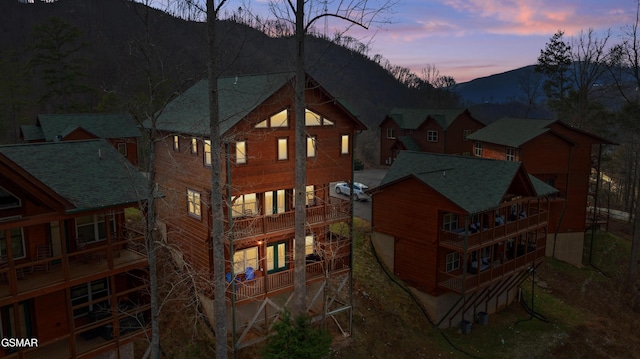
(427, 130)
(258, 127)
(558, 154)
(461, 230)
(120, 129)
(71, 274)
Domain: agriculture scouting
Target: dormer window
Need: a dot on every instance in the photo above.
(8, 200)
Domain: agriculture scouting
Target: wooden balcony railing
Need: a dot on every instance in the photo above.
(468, 281)
(492, 234)
(20, 277)
(276, 282)
(249, 226)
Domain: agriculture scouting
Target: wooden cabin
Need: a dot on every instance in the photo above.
(426, 130)
(258, 123)
(71, 274)
(558, 154)
(462, 230)
(120, 129)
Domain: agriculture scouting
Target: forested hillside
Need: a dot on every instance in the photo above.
(120, 44)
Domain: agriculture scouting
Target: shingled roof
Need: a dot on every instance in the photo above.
(512, 132)
(89, 174)
(103, 125)
(412, 118)
(474, 184)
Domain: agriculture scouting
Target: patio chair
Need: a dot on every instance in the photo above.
(43, 251)
(249, 273)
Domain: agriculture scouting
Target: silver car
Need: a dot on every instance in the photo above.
(359, 190)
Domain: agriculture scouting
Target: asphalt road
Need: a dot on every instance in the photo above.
(371, 178)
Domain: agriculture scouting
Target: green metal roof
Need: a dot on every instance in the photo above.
(412, 118)
(512, 132)
(474, 184)
(409, 143)
(89, 174)
(103, 125)
(32, 133)
(189, 112)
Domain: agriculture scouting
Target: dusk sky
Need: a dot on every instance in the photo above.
(468, 39)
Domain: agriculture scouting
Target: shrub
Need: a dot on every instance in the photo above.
(297, 339)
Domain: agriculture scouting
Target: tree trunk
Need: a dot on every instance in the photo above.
(635, 249)
(300, 291)
(217, 233)
(150, 236)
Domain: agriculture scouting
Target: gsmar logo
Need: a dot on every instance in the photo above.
(19, 342)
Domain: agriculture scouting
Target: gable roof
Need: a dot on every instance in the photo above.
(474, 184)
(238, 96)
(89, 174)
(102, 125)
(512, 132)
(409, 143)
(32, 133)
(412, 118)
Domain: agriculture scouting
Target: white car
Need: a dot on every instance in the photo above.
(359, 190)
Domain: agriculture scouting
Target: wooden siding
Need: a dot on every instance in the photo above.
(454, 135)
(386, 144)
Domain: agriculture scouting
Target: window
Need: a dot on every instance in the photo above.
(93, 228)
(309, 242)
(193, 203)
(194, 146)
(274, 202)
(478, 149)
(453, 262)
(313, 119)
(344, 145)
(89, 292)
(450, 222)
(241, 152)
(245, 205)
(17, 242)
(207, 152)
(8, 200)
(122, 148)
(310, 199)
(276, 257)
(282, 149)
(280, 119)
(432, 136)
(465, 134)
(9, 325)
(245, 258)
(176, 143)
(391, 133)
(311, 146)
(511, 154)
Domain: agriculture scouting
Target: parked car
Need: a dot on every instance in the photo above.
(359, 190)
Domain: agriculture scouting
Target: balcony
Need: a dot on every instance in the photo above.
(23, 279)
(283, 280)
(469, 279)
(256, 225)
(492, 233)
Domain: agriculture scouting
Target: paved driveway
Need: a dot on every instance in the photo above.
(371, 178)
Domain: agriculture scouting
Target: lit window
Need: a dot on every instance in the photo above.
(194, 145)
(309, 244)
(193, 203)
(207, 152)
(391, 133)
(88, 293)
(511, 154)
(282, 149)
(176, 143)
(17, 242)
(432, 136)
(277, 257)
(311, 118)
(245, 258)
(311, 146)
(311, 197)
(453, 261)
(274, 202)
(262, 124)
(280, 119)
(245, 205)
(450, 221)
(241, 152)
(344, 145)
(93, 228)
(477, 149)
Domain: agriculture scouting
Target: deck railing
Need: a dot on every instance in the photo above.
(254, 225)
(275, 282)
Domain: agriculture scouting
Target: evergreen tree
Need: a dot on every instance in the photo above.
(297, 339)
(554, 62)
